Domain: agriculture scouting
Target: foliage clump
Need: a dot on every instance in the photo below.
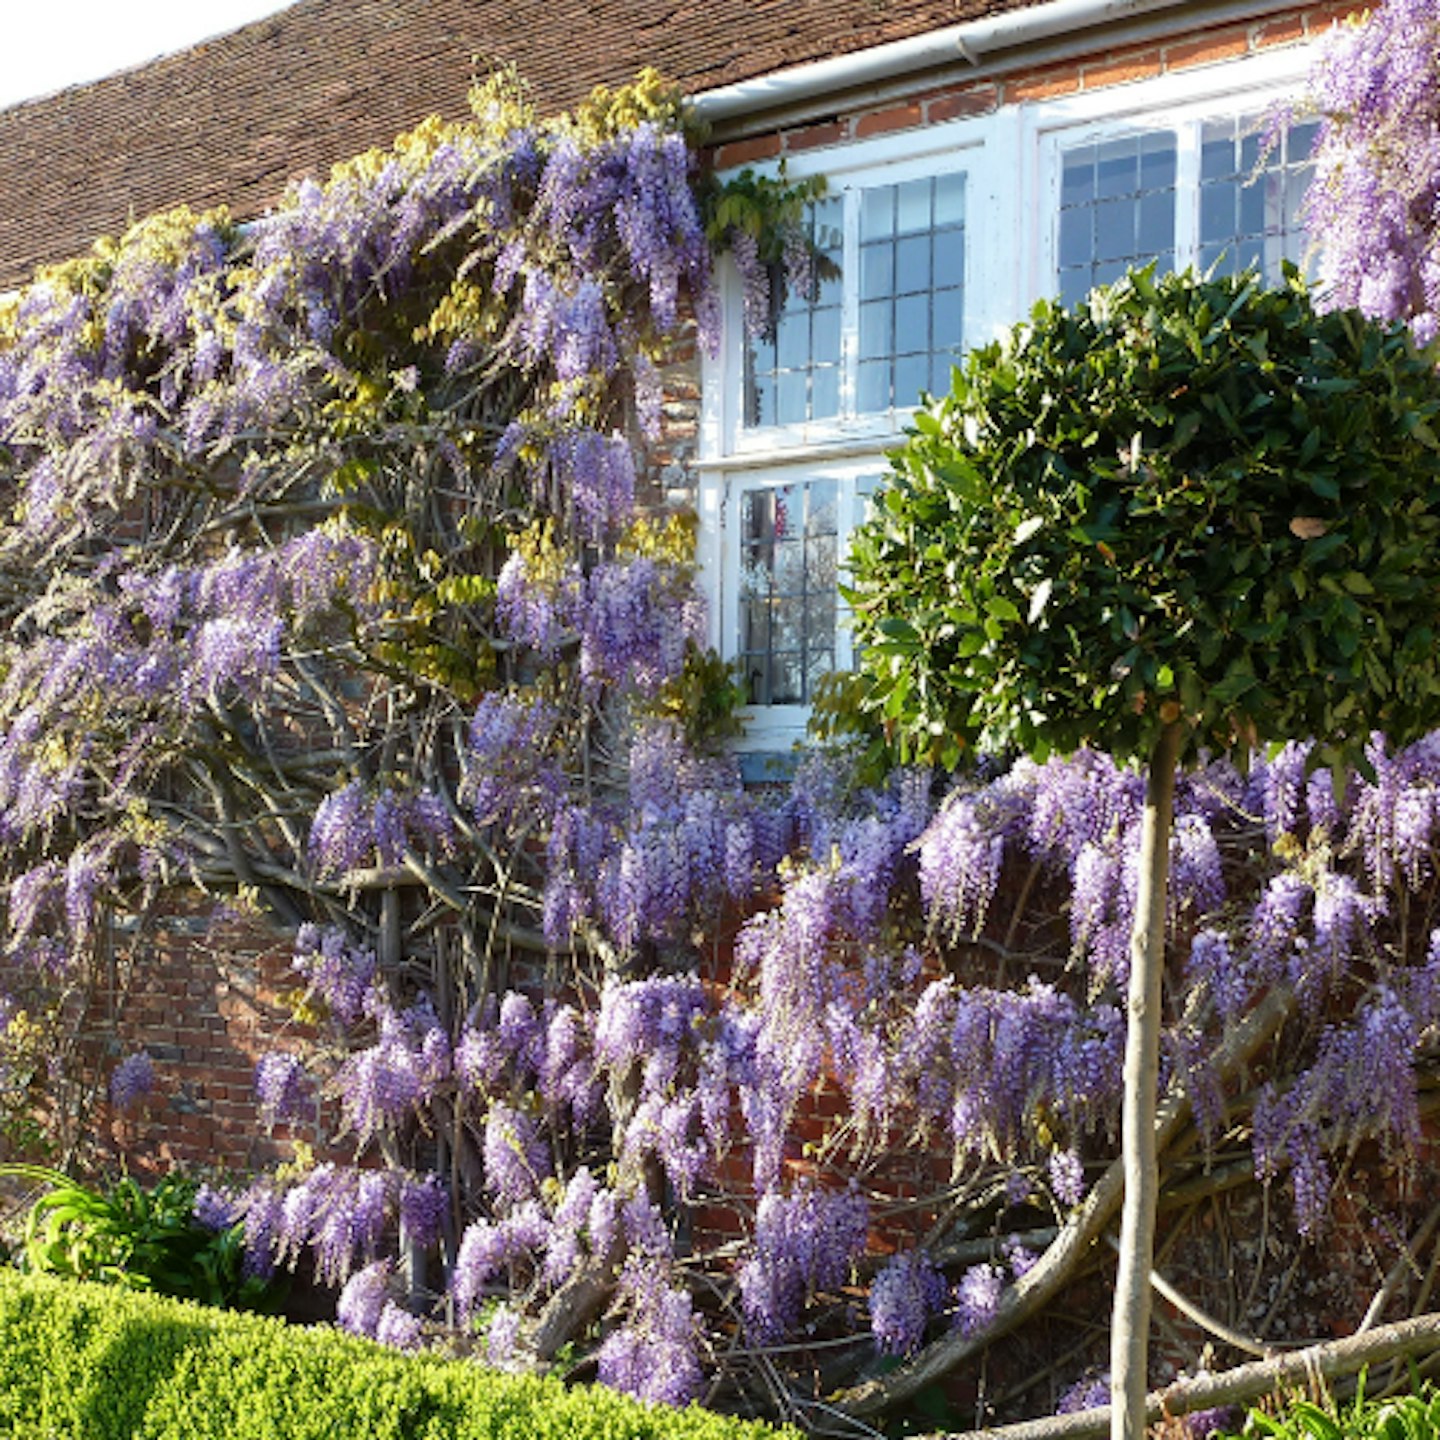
(1182, 500)
(82, 1362)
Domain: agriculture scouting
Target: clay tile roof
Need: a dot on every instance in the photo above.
(233, 119)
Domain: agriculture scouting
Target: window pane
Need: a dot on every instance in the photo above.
(949, 200)
(912, 264)
(825, 393)
(876, 336)
(792, 393)
(1077, 236)
(1157, 224)
(786, 680)
(1115, 230)
(1258, 198)
(820, 509)
(912, 207)
(1117, 168)
(825, 330)
(946, 317)
(1077, 181)
(787, 622)
(1157, 160)
(877, 214)
(788, 596)
(792, 339)
(874, 386)
(779, 369)
(788, 577)
(877, 272)
(1075, 284)
(1299, 141)
(1250, 203)
(912, 324)
(940, 366)
(912, 374)
(949, 267)
(760, 401)
(1217, 151)
(1123, 217)
(755, 625)
(1217, 211)
(1252, 153)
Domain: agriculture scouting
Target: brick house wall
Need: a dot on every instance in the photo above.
(214, 999)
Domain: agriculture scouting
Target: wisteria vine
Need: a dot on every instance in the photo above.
(331, 590)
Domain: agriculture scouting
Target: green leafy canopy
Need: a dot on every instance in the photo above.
(1185, 499)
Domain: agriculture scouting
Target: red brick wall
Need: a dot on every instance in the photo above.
(1088, 71)
(204, 1004)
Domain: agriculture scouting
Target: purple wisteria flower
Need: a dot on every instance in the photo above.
(1067, 1177)
(424, 1204)
(977, 1297)
(1375, 163)
(517, 1159)
(653, 1354)
(340, 973)
(364, 1299)
(906, 1291)
(398, 1328)
(282, 1087)
(960, 860)
(216, 1209)
(1090, 1392)
(132, 1080)
(804, 1242)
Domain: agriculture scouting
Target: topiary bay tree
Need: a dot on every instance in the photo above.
(1188, 516)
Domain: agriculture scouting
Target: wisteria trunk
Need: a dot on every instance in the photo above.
(1130, 1334)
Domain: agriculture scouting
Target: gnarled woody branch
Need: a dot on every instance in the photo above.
(1418, 1335)
(1046, 1277)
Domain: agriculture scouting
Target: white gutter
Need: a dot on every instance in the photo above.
(972, 41)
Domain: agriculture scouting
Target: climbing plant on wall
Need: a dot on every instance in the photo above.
(331, 593)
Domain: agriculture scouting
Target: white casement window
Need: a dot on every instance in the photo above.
(944, 237)
(870, 346)
(1187, 170)
(1212, 192)
(787, 564)
(778, 533)
(847, 363)
(796, 423)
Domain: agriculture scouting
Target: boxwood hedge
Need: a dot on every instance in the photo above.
(92, 1362)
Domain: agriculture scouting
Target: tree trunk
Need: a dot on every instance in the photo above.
(1130, 1327)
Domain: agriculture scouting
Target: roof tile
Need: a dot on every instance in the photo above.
(234, 119)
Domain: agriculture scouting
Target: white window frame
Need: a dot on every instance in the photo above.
(849, 170)
(1012, 159)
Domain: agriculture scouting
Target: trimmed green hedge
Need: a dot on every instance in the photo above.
(93, 1362)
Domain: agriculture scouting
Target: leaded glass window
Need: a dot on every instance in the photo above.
(1117, 209)
(1251, 190)
(789, 536)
